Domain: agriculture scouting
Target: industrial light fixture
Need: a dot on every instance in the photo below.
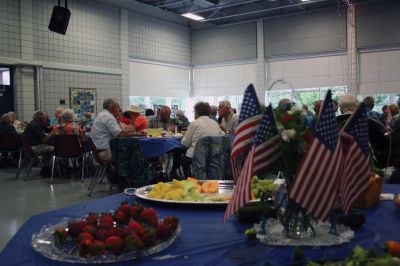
(193, 16)
(305, 0)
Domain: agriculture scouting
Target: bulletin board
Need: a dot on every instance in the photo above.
(82, 101)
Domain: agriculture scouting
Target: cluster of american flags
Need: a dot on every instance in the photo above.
(334, 168)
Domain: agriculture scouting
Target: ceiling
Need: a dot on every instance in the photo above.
(222, 12)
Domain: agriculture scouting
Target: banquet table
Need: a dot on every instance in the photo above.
(156, 147)
(205, 239)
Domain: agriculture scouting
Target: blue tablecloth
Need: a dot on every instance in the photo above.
(156, 147)
(205, 239)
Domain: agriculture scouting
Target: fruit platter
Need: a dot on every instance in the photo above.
(189, 191)
(127, 233)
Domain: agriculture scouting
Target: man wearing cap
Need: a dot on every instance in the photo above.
(138, 121)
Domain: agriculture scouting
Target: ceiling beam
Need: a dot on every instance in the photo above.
(171, 3)
(264, 10)
(225, 6)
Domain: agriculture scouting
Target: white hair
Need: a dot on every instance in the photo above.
(225, 103)
(67, 115)
(348, 103)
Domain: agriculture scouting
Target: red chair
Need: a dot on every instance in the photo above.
(9, 143)
(67, 146)
(29, 156)
(101, 170)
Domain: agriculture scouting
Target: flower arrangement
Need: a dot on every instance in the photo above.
(294, 126)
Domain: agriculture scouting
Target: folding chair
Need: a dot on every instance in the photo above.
(101, 170)
(9, 143)
(211, 158)
(67, 146)
(29, 157)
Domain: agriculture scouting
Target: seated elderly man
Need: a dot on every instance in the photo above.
(105, 127)
(67, 125)
(369, 104)
(347, 104)
(57, 116)
(6, 125)
(229, 119)
(183, 120)
(203, 126)
(162, 119)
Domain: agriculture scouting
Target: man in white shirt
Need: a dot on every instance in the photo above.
(105, 127)
(203, 126)
(229, 119)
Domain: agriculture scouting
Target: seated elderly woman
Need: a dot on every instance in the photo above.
(6, 125)
(202, 126)
(347, 104)
(67, 125)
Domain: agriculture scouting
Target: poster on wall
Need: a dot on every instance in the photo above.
(83, 101)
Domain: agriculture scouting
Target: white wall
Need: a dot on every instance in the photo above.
(380, 72)
(322, 71)
(224, 80)
(152, 79)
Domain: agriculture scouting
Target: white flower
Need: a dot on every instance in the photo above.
(293, 110)
(288, 134)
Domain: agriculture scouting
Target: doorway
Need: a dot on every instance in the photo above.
(6, 89)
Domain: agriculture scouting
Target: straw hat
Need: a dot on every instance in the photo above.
(134, 109)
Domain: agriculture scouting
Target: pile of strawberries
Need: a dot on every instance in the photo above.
(130, 228)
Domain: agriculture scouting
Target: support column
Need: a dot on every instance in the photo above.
(261, 74)
(24, 77)
(124, 42)
(352, 55)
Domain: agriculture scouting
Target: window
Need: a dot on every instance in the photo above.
(4, 76)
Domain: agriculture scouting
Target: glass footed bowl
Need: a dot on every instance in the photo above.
(43, 243)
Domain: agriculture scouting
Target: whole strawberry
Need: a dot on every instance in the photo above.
(135, 211)
(149, 216)
(121, 217)
(60, 234)
(136, 228)
(89, 228)
(122, 232)
(92, 219)
(114, 245)
(102, 234)
(106, 222)
(125, 208)
(85, 248)
(85, 236)
(172, 221)
(133, 242)
(149, 237)
(98, 248)
(164, 231)
(75, 228)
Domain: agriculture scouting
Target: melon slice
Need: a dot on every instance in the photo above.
(210, 186)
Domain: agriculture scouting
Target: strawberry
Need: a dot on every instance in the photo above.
(133, 242)
(125, 208)
(136, 228)
(107, 219)
(98, 248)
(119, 231)
(85, 236)
(75, 228)
(164, 231)
(114, 245)
(172, 221)
(89, 228)
(149, 216)
(102, 234)
(60, 234)
(106, 226)
(149, 237)
(121, 217)
(92, 219)
(85, 248)
(135, 211)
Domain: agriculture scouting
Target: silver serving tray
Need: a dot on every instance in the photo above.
(43, 243)
(225, 188)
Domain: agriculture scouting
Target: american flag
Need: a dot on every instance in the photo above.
(249, 119)
(356, 178)
(266, 148)
(316, 183)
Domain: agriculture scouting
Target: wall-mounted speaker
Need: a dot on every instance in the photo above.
(60, 18)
